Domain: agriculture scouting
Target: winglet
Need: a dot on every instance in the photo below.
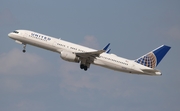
(106, 47)
(107, 51)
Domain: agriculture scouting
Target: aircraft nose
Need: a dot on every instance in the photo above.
(10, 35)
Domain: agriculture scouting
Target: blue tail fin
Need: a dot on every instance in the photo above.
(153, 58)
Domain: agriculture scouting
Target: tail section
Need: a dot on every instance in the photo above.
(153, 58)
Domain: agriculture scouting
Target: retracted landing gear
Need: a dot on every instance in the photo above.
(24, 48)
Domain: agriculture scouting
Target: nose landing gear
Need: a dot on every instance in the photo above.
(24, 48)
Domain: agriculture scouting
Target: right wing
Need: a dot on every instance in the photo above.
(94, 53)
(90, 54)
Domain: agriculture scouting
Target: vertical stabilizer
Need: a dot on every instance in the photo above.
(153, 58)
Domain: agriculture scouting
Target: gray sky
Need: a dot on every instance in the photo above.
(40, 80)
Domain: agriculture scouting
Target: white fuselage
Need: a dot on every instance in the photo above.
(106, 60)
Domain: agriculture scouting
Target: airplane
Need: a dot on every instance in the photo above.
(145, 65)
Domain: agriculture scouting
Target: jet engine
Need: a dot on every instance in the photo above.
(69, 56)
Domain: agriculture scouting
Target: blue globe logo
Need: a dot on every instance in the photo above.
(148, 60)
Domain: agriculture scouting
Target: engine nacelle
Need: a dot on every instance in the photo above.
(69, 56)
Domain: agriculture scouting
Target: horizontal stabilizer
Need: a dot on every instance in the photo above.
(152, 71)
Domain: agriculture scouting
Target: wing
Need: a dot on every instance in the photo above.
(90, 54)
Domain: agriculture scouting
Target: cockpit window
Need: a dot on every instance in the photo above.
(16, 32)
